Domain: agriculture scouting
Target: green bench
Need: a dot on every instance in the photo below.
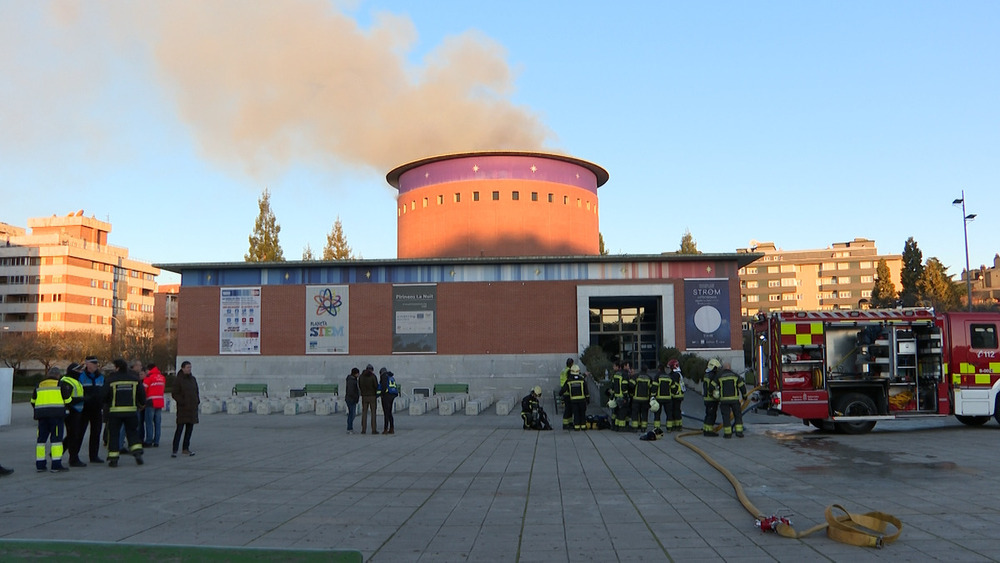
(312, 388)
(451, 388)
(250, 388)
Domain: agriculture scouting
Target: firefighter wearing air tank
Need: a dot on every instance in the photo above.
(619, 398)
(579, 396)
(124, 395)
(710, 394)
(567, 420)
(641, 388)
(675, 380)
(732, 390)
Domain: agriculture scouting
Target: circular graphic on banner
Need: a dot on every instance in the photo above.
(708, 319)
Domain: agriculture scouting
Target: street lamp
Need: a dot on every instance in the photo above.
(965, 230)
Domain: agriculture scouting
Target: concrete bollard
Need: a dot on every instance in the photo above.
(506, 405)
(270, 406)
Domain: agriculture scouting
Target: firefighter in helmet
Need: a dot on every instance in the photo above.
(663, 397)
(567, 419)
(532, 413)
(642, 389)
(620, 396)
(710, 394)
(124, 397)
(579, 397)
(732, 390)
(675, 379)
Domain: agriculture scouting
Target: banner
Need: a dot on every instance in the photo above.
(414, 325)
(706, 310)
(239, 320)
(327, 319)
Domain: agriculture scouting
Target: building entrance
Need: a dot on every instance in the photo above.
(627, 328)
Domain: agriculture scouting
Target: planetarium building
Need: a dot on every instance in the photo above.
(498, 279)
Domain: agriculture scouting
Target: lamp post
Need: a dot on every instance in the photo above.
(965, 230)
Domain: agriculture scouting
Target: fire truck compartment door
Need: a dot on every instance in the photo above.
(972, 402)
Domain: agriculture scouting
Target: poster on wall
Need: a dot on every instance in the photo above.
(239, 320)
(413, 313)
(327, 319)
(706, 309)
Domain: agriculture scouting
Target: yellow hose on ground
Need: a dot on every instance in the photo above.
(866, 530)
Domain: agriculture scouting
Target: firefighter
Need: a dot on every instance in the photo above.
(124, 395)
(619, 394)
(732, 390)
(641, 390)
(567, 420)
(579, 397)
(49, 402)
(675, 422)
(663, 395)
(532, 413)
(710, 394)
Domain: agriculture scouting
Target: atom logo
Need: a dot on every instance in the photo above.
(327, 302)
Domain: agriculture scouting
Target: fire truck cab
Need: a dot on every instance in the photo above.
(849, 369)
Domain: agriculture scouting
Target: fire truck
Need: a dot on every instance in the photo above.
(847, 370)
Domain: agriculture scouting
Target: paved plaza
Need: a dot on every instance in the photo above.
(479, 488)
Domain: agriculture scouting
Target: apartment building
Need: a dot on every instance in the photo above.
(64, 276)
(840, 277)
(165, 310)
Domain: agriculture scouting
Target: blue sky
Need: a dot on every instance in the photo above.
(802, 123)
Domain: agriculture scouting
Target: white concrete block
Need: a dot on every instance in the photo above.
(270, 406)
(237, 406)
(506, 405)
(474, 407)
(210, 407)
(418, 407)
(326, 407)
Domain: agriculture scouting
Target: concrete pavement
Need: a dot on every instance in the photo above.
(478, 488)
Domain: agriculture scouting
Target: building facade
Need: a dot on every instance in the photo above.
(498, 280)
(64, 276)
(986, 284)
(840, 277)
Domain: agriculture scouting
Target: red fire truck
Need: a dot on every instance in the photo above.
(846, 370)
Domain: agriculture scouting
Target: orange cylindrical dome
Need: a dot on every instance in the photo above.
(497, 204)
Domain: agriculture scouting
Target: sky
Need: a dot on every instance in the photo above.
(800, 123)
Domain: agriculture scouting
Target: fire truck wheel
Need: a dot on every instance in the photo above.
(972, 420)
(856, 404)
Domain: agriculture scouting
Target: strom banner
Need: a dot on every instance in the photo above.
(414, 325)
(327, 319)
(706, 311)
(239, 320)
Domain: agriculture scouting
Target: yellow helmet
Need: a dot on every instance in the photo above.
(654, 405)
(538, 390)
(713, 364)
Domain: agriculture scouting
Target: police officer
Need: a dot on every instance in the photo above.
(74, 414)
(675, 378)
(663, 396)
(579, 396)
(732, 390)
(124, 395)
(641, 390)
(92, 381)
(710, 394)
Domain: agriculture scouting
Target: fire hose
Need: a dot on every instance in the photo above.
(865, 530)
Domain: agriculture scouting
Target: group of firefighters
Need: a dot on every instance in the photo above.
(632, 396)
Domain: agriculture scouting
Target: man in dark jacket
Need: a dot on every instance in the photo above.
(368, 384)
(123, 397)
(352, 394)
(92, 381)
(389, 392)
(187, 396)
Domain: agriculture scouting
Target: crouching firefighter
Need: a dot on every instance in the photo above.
(123, 397)
(732, 390)
(532, 414)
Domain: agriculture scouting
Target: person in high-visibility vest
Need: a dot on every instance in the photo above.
(387, 385)
(49, 400)
(567, 420)
(710, 394)
(123, 397)
(579, 397)
(74, 415)
(675, 422)
(641, 389)
(620, 396)
(732, 390)
(663, 396)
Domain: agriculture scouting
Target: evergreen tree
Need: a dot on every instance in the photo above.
(884, 292)
(603, 250)
(336, 243)
(264, 246)
(913, 269)
(937, 289)
(307, 253)
(688, 244)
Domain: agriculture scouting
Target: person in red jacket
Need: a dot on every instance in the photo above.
(155, 385)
